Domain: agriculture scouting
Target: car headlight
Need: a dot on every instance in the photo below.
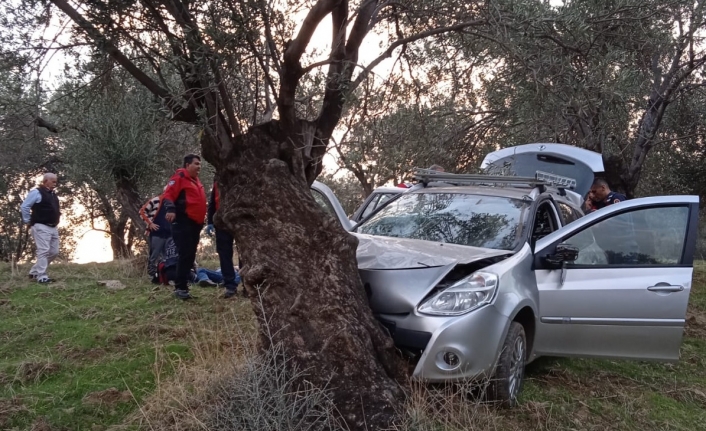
(463, 296)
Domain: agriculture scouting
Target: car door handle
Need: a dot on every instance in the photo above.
(664, 287)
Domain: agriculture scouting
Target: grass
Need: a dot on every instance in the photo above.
(78, 356)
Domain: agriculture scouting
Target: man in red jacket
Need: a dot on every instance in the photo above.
(185, 202)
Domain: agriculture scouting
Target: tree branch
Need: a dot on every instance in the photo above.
(41, 122)
(291, 70)
(272, 46)
(388, 52)
(179, 112)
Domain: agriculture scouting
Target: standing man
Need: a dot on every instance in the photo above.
(184, 201)
(159, 230)
(602, 196)
(41, 211)
(224, 244)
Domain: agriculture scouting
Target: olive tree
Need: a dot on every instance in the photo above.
(599, 75)
(241, 65)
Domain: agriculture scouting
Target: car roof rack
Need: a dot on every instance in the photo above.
(541, 179)
(557, 180)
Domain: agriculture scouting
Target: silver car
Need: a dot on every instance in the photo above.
(474, 277)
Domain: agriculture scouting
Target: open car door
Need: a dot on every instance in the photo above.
(559, 159)
(616, 283)
(324, 196)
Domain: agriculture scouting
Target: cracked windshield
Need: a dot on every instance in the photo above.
(455, 218)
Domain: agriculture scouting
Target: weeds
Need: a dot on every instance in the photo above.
(230, 385)
(264, 395)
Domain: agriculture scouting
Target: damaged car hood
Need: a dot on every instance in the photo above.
(398, 272)
(379, 252)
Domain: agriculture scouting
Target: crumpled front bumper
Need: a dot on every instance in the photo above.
(475, 338)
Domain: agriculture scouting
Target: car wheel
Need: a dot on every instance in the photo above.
(506, 384)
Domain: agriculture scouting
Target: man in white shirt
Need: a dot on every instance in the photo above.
(41, 211)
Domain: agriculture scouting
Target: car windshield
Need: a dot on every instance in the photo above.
(456, 218)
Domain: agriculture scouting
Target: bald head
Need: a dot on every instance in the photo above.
(49, 181)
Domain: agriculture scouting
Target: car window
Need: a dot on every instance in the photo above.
(323, 202)
(577, 214)
(568, 214)
(544, 222)
(457, 218)
(384, 197)
(650, 236)
(371, 207)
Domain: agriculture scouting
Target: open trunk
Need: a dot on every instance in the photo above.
(559, 159)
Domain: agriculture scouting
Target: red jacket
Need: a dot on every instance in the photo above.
(185, 196)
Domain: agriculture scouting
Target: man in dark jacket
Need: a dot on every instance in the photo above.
(601, 195)
(42, 212)
(184, 201)
(224, 244)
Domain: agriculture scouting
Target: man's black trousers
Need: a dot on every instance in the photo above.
(224, 248)
(186, 234)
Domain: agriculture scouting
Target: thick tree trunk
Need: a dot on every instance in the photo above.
(367, 186)
(615, 167)
(121, 250)
(119, 247)
(130, 202)
(301, 265)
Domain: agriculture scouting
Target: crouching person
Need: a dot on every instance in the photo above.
(204, 277)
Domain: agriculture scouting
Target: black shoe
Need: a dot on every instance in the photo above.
(45, 280)
(155, 279)
(230, 293)
(32, 276)
(184, 295)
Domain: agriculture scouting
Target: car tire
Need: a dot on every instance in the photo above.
(506, 383)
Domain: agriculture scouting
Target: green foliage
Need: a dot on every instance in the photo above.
(347, 190)
(582, 73)
(386, 137)
(118, 134)
(25, 153)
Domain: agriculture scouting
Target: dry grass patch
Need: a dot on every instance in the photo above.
(183, 401)
(109, 396)
(36, 371)
(10, 407)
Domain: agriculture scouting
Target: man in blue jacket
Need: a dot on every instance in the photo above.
(601, 195)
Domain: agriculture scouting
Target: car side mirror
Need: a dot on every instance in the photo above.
(564, 253)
